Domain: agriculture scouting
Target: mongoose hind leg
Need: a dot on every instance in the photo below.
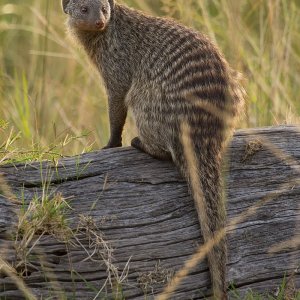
(155, 152)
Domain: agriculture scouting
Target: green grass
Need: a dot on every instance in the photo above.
(286, 291)
(52, 102)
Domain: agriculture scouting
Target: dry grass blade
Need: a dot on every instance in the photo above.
(4, 187)
(11, 272)
(159, 275)
(100, 251)
(293, 243)
(288, 159)
(56, 286)
(45, 215)
(203, 250)
(192, 165)
(102, 288)
(6, 191)
(222, 114)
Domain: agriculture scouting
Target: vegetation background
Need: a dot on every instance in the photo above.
(52, 102)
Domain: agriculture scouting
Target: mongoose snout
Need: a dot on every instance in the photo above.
(99, 24)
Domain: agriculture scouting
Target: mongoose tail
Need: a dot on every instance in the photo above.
(199, 161)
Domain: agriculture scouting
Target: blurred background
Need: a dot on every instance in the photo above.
(52, 102)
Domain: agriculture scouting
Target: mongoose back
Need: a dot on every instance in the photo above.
(171, 78)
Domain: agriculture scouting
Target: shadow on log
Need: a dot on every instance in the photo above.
(143, 209)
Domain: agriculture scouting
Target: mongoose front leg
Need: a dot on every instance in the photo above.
(151, 150)
(117, 117)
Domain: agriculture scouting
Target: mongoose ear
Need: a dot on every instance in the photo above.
(111, 4)
(64, 4)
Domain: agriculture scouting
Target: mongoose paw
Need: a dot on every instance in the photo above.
(136, 143)
(112, 145)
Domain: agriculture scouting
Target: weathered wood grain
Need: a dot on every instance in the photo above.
(151, 218)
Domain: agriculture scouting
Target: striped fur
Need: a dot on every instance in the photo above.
(168, 75)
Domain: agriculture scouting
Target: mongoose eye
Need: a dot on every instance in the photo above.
(84, 9)
(104, 10)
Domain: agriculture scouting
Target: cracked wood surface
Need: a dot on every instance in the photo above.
(150, 217)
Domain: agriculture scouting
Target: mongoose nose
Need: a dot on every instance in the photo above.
(99, 24)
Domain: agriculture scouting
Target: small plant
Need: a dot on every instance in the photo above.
(6, 191)
(286, 291)
(160, 276)
(251, 149)
(44, 215)
(101, 251)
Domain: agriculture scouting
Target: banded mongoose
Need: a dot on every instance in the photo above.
(171, 78)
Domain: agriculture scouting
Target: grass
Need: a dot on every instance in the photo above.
(52, 102)
(286, 291)
(46, 216)
(148, 281)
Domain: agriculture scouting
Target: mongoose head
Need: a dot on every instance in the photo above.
(88, 15)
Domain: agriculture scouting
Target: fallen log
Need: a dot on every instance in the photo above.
(141, 207)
